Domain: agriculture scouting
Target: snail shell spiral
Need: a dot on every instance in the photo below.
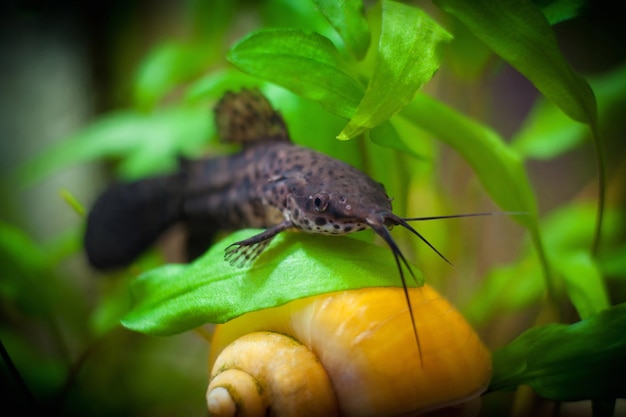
(349, 353)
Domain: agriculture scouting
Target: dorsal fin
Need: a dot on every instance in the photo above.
(247, 117)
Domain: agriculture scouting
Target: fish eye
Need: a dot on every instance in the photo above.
(320, 201)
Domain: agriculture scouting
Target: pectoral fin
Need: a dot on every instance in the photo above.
(245, 251)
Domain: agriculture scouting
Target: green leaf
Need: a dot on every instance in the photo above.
(304, 62)
(386, 135)
(567, 233)
(521, 35)
(19, 250)
(570, 228)
(166, 67)
(613, 262)
(557, 11)
(506, 289)
(467, 57)
(73, 202)
(348, 19)
(583, 282)
(146, 143)
(585, 360)
(24, 265)
(499, 169)
(547, 132)
(407, 58)
(215, 84)
(176, 298)
(113, 305)
(210, 20)
(303, 15)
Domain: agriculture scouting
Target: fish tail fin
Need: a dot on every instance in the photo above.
(127, 219)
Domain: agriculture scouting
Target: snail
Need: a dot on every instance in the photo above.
(348, 353)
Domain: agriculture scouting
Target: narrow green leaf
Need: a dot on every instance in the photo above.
(499, 169)
(467, 56)
(557, 11)
(547, 132)
(386, 135)
(215, 84)
(146, 143)
(73, 202)
(613, 263)
(166, 67)
(303, 15)
(585, 360)
(567, 234)
(19, 251)
(583, 282)
(506, 289)
(210, 20)
(304, 62)
(521, 35)
(113, 305)
(570, 228)
(24, 264)
(407, 58)
(348, 19)
(176, 298)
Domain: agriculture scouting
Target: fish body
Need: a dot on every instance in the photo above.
(271, 183)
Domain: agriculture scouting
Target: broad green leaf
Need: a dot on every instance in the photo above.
(304, 62)
(521, 35)
(348, 19)
(585, 360)
(166, 67)
(407, 58)
(146, 143)
(176, 298)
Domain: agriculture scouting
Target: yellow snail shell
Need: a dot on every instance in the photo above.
(348, 353)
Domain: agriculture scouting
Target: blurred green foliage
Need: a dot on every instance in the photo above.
(364, 74)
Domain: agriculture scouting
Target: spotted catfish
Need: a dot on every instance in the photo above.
(271, 184)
